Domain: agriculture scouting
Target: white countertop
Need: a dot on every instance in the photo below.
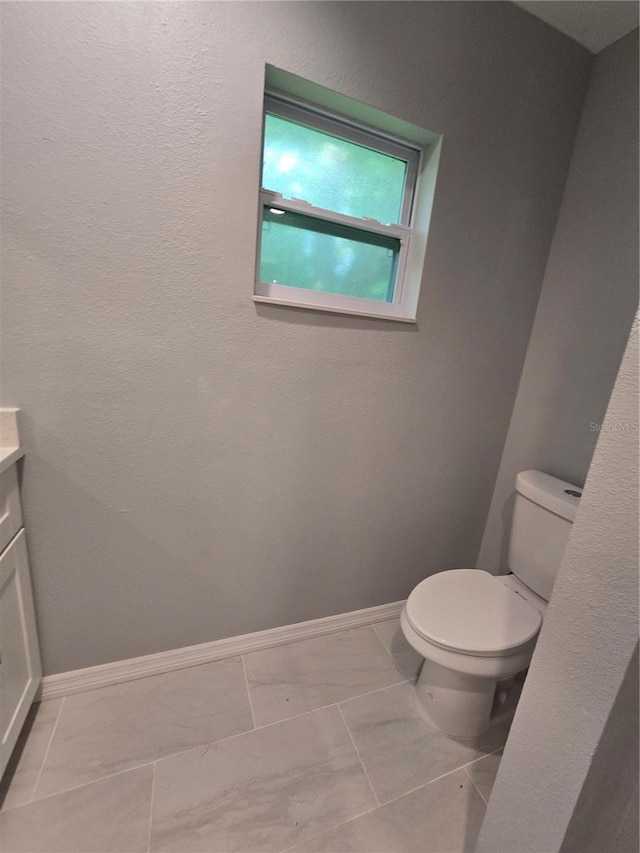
(10, 447)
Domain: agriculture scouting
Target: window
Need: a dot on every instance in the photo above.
(336, 213)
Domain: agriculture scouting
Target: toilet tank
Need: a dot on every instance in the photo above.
(543, 513)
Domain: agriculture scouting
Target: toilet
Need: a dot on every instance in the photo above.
(476, 631)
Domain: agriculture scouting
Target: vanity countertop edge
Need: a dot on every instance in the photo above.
(10, 447)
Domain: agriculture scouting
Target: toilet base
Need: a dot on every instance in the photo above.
(460, 705)
(465, 706)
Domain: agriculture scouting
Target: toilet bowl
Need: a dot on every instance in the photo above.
(477, 631)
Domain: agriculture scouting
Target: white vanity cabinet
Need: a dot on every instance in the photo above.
(20, 668)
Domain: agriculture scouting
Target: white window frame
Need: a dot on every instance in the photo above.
(400, 306)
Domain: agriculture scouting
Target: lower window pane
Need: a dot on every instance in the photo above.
(301, 251)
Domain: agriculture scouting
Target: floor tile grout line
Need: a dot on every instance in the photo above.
(484, 755)
(199, 746)
(303, 713)
(246, 681)
(486, 802)
(402, 680)
(153, 788)
(268, 725)
(400, 796)
(276, 722)
(443, 776)
(46, 753)
(95, 781)
(369, 693)
(156, 761)
(418, 787)
(357, 751)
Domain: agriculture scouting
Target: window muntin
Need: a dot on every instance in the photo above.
(335, 212)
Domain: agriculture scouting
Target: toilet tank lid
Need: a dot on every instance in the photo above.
(550, 492)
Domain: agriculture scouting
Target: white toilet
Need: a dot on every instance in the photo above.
(477, 631)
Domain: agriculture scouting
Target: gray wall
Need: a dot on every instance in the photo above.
(589, 636)
(605, 819)
(198, 467)
(587, 303)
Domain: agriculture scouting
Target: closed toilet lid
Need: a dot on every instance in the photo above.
(469, 611)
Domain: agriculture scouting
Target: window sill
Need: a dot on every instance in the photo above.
(390, 312)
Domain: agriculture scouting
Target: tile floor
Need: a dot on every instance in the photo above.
(314, 747)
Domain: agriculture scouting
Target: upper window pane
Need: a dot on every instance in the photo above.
(330, 172)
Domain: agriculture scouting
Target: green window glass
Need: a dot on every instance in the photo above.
(330, 172)
(315, 254)
(335, 209)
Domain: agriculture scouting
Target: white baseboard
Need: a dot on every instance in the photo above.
(93, 677)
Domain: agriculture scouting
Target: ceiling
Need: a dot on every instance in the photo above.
(594, 23)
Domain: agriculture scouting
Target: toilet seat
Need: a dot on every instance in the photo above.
(469, 612)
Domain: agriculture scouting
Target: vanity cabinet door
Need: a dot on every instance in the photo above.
(10, 511)
(20, 668)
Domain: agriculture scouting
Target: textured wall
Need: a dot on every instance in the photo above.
(588, 638)
(198, 467)
(605, 819)
(587, 303)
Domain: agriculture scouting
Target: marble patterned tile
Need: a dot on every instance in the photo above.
(408, 661)
(261, 791)
(126, 725)
(20, 777)
(483, 773)
(442, 817)
(300, 677)
(399, 748)
(109, 816)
